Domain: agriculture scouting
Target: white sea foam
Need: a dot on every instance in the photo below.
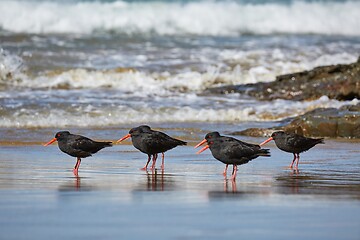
(112, 115)
(10, 64)
(217, 18)
(258, 66)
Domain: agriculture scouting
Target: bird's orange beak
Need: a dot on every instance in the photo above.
(266, 141)
(200, 143)
(203, 149)
(50, 142)
(123, 138)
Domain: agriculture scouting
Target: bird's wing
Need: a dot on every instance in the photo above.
(296, 141)
(164, 138)
(236, 149)
(250, 145)
(149, 140)
(82, 143)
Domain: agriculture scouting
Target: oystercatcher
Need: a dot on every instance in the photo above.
(293, 143)
(151, 143)
(77, 146)
(229, 150)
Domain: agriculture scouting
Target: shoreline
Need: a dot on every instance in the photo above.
(122, 160)
(42, 197)
(190, 132)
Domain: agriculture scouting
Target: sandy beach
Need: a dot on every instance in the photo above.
(186, 68)
(41, 198)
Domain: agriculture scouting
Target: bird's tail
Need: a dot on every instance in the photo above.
(181, 142)
(100, 145)
(104, 144)
(264, 152)
(320, 140)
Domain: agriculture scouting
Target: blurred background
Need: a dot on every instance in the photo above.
(110, 63)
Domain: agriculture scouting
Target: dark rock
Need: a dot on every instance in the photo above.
(329, 122)
(323, 122)
(255, 132)
(340, 82)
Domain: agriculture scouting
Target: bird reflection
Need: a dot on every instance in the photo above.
(291, 182)
(229, 191)
(294, 183)
(74, 185)
(155, 180)
(77, 183)
(233, 186)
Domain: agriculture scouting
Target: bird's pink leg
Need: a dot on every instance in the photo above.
(154, 161)
(162, 161)
(147, 163)
(225, 170)
(297, 162)
(77, 165)
(233, 177)
(292, 163)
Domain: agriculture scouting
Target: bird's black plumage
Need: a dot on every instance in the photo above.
(293, 143)
(152, 142)
(230, 150)
(78, 146)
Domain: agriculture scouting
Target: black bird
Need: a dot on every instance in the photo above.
(151, 143)
(77, 146)
(212, 135)
(229, 150)
(293, 143)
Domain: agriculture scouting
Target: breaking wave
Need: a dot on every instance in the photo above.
(245, 70)
(87, 114)
(215, 18)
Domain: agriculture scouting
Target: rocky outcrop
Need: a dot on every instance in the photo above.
(341, 82)
(323, 122)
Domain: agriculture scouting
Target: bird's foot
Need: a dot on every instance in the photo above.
(289, 167)
(76, 172)
(143, 168)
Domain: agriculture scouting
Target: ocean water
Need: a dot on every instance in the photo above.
(98, 68)
(109, 63)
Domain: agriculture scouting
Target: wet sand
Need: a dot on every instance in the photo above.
(112, 198)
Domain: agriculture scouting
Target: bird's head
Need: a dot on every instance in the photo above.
(58, 137)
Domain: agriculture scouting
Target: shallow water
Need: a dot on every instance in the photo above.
(111, 197)
(98, 68)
